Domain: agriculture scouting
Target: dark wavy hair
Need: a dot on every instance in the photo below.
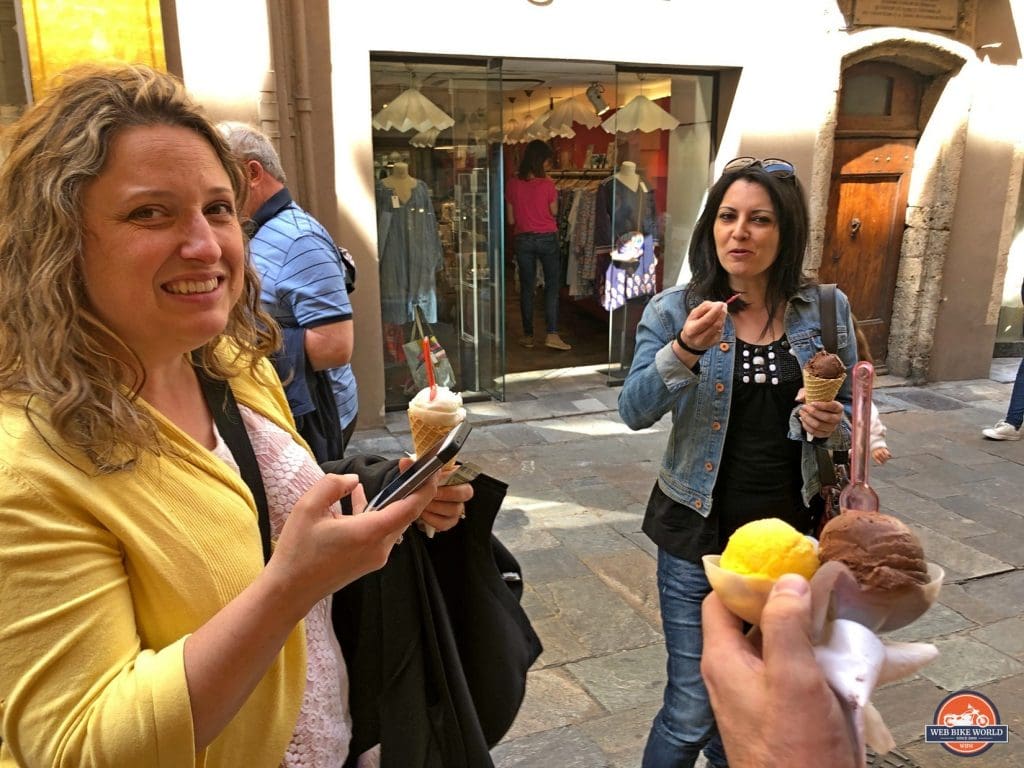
(785, 276)
(532, 164)
(53, 347)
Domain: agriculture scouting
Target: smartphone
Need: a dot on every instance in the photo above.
(426, 465)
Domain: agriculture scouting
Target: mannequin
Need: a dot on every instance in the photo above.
(409, 247)
(627, 175)
(400, 182)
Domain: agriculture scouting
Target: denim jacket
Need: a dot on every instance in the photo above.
(700, 399)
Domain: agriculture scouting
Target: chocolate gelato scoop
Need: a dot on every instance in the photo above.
(825, 365)
(880, 550)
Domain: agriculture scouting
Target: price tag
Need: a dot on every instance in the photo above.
(394, 202)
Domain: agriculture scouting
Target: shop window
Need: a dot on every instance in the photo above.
(636, 143)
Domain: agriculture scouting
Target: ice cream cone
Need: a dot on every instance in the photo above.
(818, 390)
(428, 431)
(431, 418)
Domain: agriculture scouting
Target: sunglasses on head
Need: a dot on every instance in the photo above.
(782, 169)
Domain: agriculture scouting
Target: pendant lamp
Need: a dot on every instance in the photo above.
(521, 134)
(412, 110)
(572, 110)
(641, 114)
(511, 131)
(425, 138)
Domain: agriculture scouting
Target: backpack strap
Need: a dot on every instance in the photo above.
(827, 316)
(228, 419)
(830, 338)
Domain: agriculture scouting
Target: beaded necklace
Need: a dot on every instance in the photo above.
(759, 363)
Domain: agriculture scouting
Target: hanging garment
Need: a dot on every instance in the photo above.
(583, 243)
(410, 254)
(619, 212)
(622, 282)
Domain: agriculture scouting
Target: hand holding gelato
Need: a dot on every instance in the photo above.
(872, 578)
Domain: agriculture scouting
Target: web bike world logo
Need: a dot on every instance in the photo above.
(966, 724)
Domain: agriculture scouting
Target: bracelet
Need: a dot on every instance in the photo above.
(687, 348)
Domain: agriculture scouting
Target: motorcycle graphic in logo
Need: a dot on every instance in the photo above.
(972, 716)
(966, 724)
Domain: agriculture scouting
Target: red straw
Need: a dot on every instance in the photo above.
(733, 298)
(429, 363)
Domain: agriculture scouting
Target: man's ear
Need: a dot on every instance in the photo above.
(254, 171)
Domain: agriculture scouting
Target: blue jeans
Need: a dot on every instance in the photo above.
(685, 724)
(531, 246)
(1015, 411)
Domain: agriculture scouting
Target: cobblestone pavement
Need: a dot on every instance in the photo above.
(578, 483)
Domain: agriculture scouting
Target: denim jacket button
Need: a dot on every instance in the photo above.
(709, 466)
(715, 426)
(724, 346)
(698, 504)
(719, 387)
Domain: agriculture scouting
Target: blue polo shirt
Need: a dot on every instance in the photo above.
(303, 281)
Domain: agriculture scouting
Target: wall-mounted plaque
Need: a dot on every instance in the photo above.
(927, 14)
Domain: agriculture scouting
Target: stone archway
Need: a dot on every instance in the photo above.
(931, 197)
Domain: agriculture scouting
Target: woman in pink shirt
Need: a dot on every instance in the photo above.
(532, 201)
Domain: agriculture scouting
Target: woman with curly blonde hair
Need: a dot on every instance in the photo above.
(139, 624)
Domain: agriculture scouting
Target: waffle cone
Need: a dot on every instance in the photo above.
(818, 390)
(425, 434)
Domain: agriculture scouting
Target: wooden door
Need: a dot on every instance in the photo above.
(864, 233)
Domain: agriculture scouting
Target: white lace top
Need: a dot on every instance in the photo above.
(324, 727)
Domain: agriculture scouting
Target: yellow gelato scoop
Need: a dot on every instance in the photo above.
(756, 555)
(769, 548)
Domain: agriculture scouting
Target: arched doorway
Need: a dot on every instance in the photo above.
(877, 130)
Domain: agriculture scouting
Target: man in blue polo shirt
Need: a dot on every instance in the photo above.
(304, 288)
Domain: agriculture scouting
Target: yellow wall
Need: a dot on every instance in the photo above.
(61, 33)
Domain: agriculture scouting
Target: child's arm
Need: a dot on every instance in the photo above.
(879, 450)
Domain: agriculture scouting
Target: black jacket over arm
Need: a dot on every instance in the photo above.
(436, 642)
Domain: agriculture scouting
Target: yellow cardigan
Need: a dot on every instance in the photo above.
(102, 577)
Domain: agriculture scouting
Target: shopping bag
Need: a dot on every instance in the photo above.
(443, 373)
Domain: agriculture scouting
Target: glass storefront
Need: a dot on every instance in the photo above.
(631, 154)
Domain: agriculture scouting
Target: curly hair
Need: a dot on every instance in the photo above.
(785, 276)
(53, 348)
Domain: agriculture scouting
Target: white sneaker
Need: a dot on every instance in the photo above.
(1002, 431)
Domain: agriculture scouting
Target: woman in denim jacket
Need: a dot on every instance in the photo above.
(724, 356)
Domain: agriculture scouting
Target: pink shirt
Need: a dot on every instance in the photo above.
(531, 202)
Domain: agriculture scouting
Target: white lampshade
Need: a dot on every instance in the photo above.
(572, 110)
(641, 114)
(425, 138)
(511, 130)
(412, 110)
(519, 135)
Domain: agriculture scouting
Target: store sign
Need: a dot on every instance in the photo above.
(927, 14)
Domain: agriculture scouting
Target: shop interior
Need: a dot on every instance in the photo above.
(631, 153)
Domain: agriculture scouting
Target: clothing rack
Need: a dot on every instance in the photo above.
(581, 173)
